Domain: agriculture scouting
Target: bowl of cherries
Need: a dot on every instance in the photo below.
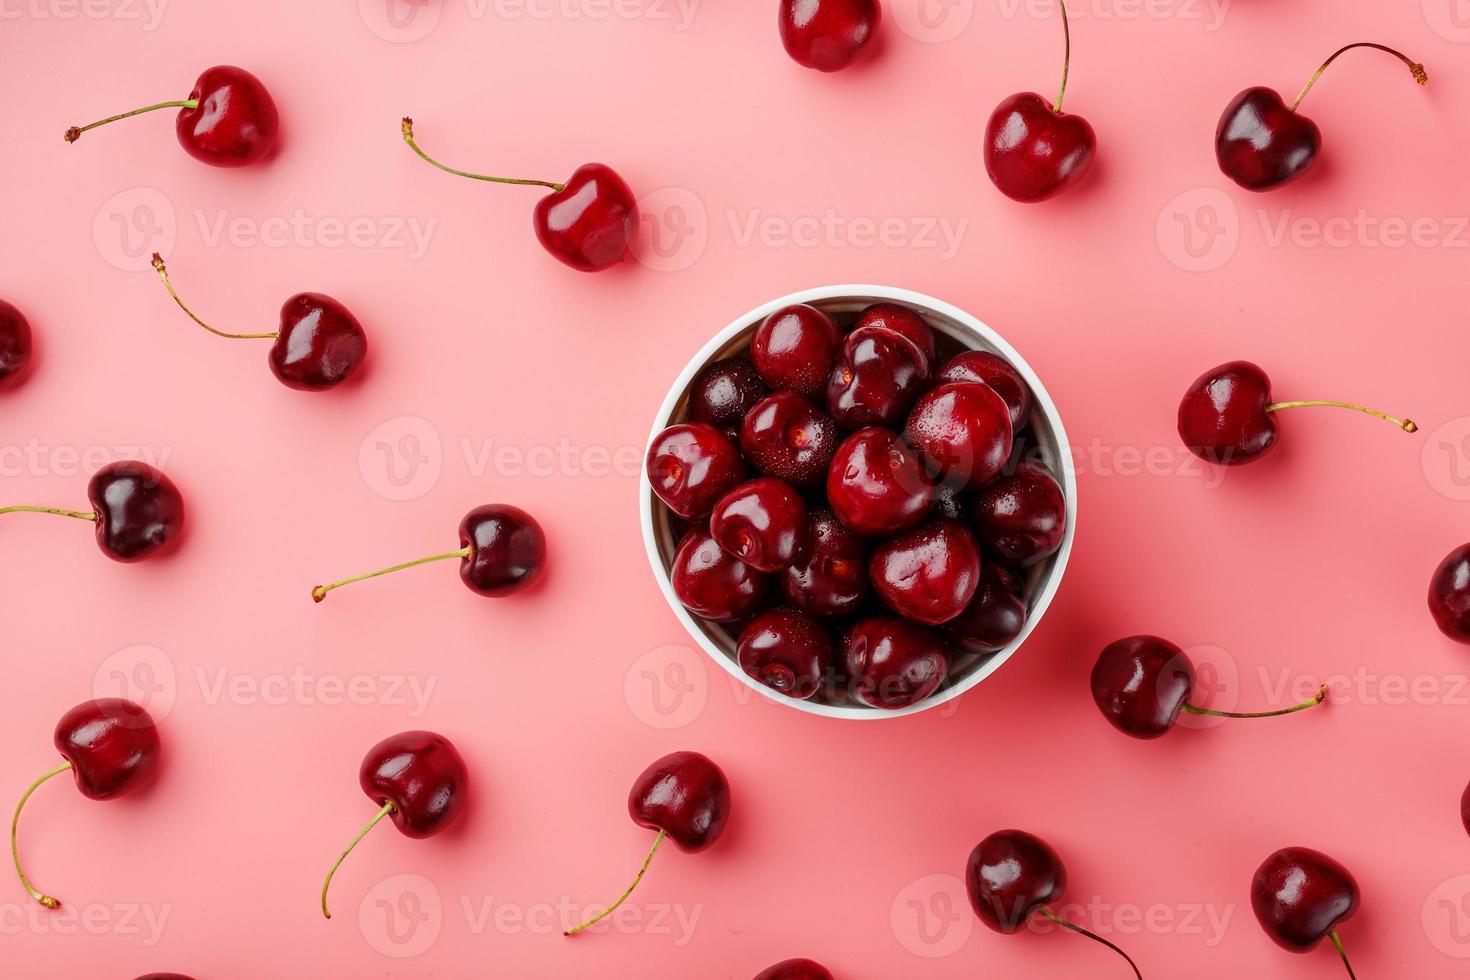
(859, 500)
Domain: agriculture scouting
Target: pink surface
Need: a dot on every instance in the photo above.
(498, 375)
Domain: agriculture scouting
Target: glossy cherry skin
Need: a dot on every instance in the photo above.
(983, 367)
(1223, 417)
(1022, 516)
(1141, 683)
(893, 663)
(879, 374)
(591, 222)
(906, 323)
(235, 123)
(712, 584)
(963, 432)
(787, 651)
(1260, 143)
(788, 437)
(1010, 875)
(795, 348)
(15, 345)
(507, 549)
(760, 522)
(724, 392)
(685, 795)
(877, 485)
(422, 775)
(994, 616)
(691, 466)
(1033, 152)
(929, 574)
(827, 35)
(1465, 809)
(1300, 895)
(319, 345)
(830, 574)
(140, 512)
(1449, 595)
(112, 745)
(799, 969)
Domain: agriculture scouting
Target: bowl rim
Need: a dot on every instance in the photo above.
(1041, 400)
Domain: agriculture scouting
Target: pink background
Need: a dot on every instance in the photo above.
(847, 839)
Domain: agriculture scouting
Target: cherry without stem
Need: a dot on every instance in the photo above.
(794, 349)
(892, 663)
(788, 437)
(929, 574)
(787, 651)
(690, 466)
(1449, 595)
(829, 576)
(137, 510)
(15, 345)
(798, 969)
(760, 522)
(725, 391)
(983, 367)
(827, 35)
(963, 431)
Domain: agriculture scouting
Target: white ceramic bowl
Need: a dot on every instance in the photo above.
(1045, 432)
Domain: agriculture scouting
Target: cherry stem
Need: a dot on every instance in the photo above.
(624, 896)
(1343, 953)
(319, 592)
(1091, 935)
(408, 138)
(1311, 702)
(46, 900)
(163, 274)
(75, 133)
(28, 509)
(1407, 425)
(387, 809)
(1066, 56)
(1415, 68)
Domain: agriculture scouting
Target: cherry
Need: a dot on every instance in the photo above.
(229, 120)
(798, 969)
(929, 574)
(725, 391)
(111, 747)
(1033, 151)
(1261, 143)
(794, 349)
(876, 484)
(827, 35)
(1449, 595)
(1225, 416)
(691, 466)
(712, 584)
(879, 374)
(138, 511)
(686, 798)
(15, 345)
(788, 651)
(963, 432)
(319, 344)
(503, 550)
(829, 576)
(1022, 515)
(760, 522)
(1465, 809)
(893, 663)
(1300, 895)
(906, 323)
(994, 616)
(1142, 683)
(588, 223)
(1011, 876)
(991, 369)
(788, 437)
(418, 779)
(164, 976)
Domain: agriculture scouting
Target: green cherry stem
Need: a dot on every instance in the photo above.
(1407, 425)
(387, 809)
(80, 515)
(75, 133)
(163, 274)
(319, 592)
(1415, 68)
(46, 900)
(1311, 702)
(1066, 56)
(624, 896)
(1343, 953)
(408, 138)
(1091, 935)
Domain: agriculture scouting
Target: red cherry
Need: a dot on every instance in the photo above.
(691, 466)
(760, 522)
(878, 375)
(963, 432)
(712, 584)
(787, 651)
(799, 969)
(787, 437)
(876, 484)
(1300, 896)
(724, 392)
(794, 349)
(1023, 515)
(993, 618)
(991, 369)
(827, 35)
(929, 574)
(137, 510)
(906, 323)
(15, 345)
(829, 576)
(893, 663)
(1449, 595)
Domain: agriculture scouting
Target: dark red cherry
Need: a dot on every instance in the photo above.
(799, 969)
(1449, 595)
(963, 432)
(1034, 151)
(906, 323)
(787, 651)
(788, 437)
(994, 617)
(418, 780)
(139, 511)
(712, 584)
(1301, 896)
(879, 374)
(760, 522)
(691, 466)
(15, 345)
(893, 663)
(1465, 809)
(1022, 515)
(877, 485)
(165, 976)
(830, 574)
(983, 367)
(794, 349)
(827, 35)
(929, 574)
(724, 392)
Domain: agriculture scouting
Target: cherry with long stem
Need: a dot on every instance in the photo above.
(624, 896)
(409, 139)
(46, 900)
(319, 592)
(1311, 702)
(1415, 68)
(75, 133)
(1408, 425)
(1048, 913)
(1332, 934)
(387, 809)
(163, 274)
